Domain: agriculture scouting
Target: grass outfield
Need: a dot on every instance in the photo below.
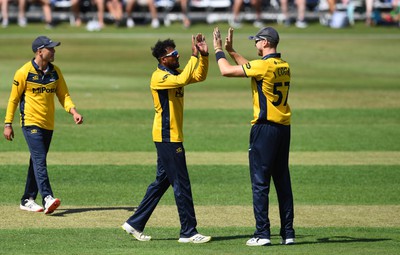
(345, 150)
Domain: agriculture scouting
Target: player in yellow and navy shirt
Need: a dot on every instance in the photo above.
(167, 88)
(33, 90)
(270, 131)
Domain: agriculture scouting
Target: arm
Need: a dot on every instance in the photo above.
(163, 80)
(65, 99)
(62, 92)
(229, 48)
(17, 89)
(225, 67)
(200, 73)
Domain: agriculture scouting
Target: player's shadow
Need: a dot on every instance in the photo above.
(322, 240)
(339, 239)
(348, 239)
(333, 239)
(65, 212)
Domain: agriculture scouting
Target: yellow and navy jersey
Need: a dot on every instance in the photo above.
(167, 88)
(270, 89)
(34, 91)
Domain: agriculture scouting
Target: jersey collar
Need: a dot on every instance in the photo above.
(272, 55)
(49, 67)
(164, 68)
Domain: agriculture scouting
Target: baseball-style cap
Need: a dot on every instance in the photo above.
(43, 42)
(266, 33)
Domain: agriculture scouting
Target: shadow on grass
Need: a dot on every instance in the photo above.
(213, 239)
(343, 239)
(64, 212)
(333, 239)
(322, 240)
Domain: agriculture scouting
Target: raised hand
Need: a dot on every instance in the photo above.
(195, 51)
(229, 41)
(217, 39)
(201, 44)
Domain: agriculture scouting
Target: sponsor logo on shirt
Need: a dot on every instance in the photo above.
(43, 90)
(52, 79)
(164, 78)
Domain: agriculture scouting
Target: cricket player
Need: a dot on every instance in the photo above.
(167, 88)
(34, 87)
(270, 131)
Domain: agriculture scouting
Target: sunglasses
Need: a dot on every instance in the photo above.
(172, 54)
(256, 41)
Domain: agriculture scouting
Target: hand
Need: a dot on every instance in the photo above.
(8, 133)
(195, 51)
(78, 118)
(201, 44)
(217, 39)
(229, 41)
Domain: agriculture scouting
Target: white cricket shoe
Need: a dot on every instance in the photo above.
(288, 241)
(130, 23)
(255, 241)
(4, 23)
(197, 238)
(22, 22)
(301, 24)
(51, 204)
(137, 234)
(155, 23)
(258, 24)
(234, 23)
(30, 206)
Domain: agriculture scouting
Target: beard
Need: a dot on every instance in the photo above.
(174, 65)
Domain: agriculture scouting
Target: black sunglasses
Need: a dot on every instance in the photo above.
(262, 38)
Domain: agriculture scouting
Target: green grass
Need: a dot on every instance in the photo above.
(344, 98)
(227, 241)
(211, 185)
(224, 130)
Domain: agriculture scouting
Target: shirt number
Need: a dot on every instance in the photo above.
(281, 89)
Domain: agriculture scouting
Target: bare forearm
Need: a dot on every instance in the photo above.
(226, 68)
(237, 58)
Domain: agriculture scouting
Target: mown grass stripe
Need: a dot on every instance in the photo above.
(206, 158)
(327, 99)
(208, 216)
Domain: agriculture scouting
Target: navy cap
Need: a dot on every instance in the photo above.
(43, 42)
(266, 33)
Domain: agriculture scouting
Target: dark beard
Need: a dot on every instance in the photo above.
(174, 66)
